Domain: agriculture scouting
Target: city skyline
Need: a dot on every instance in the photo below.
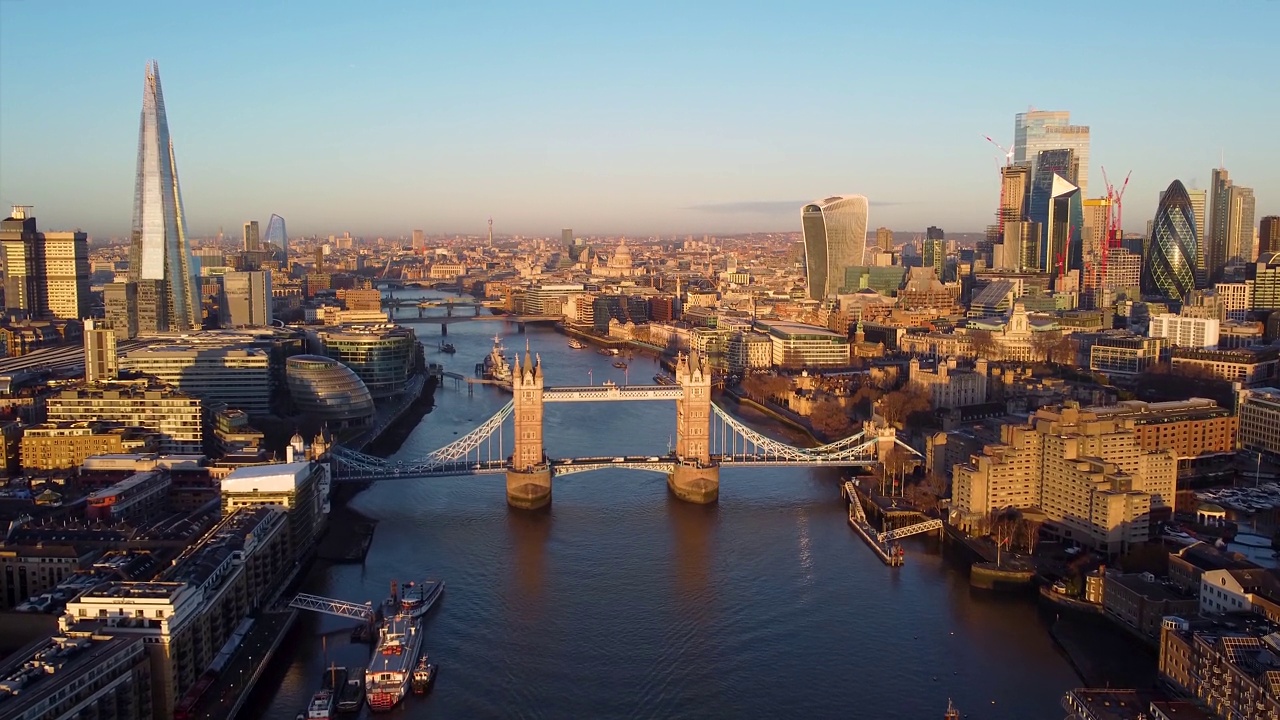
(605, 122)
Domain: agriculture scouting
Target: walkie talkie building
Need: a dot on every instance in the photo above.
(159, 254)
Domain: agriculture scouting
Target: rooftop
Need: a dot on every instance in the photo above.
(34, 673)
(136, 591)
(280, 477)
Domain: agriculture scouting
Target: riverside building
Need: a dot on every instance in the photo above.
(382, 355)
(1088, 474)
(185, 619)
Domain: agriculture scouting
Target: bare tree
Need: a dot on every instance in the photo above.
(830, 419)
(984, 344)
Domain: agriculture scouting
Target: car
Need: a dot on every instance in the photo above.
(653, 458)
(619, 459)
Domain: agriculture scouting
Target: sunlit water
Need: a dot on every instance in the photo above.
(622, 602)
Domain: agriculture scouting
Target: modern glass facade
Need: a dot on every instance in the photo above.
(1168, 268)
(159, 250)
(382, 356)
(276, 234)
(324, 388)
(1040, 130)
(835, 238)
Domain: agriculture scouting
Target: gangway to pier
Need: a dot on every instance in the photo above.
(329, 606)
(855, 507)
(921, 527)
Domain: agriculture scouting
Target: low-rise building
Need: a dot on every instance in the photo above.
(29, 570)
(1190, 332)
(1259, 411)
(1249, 366)
(797, 345)
(133, 500)
(64, 445)
(1229, 664)
(217, 369)
(1140, 601)
(1190, 428)
(948, 385)
(1120, 352)
(1230, 590)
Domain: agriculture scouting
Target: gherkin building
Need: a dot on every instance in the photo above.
(1168, 267)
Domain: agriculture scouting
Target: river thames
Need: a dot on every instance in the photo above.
(622, 602)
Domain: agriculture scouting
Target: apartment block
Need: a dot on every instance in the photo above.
(185, 619)
(78, 675)
(1088, 474)
(63, 446)
(175, 416)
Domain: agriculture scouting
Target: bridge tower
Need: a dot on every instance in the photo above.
(529, 477)
(696, 478)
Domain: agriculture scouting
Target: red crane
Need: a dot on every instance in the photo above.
(1008, 160)
(1114, 231)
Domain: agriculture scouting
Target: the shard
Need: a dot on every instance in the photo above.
(159, 256)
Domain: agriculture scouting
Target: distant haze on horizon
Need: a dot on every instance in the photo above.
(665, 118)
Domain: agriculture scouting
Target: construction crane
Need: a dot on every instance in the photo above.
(1114, 231)
(1008, 160)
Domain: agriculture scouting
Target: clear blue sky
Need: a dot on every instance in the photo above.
(634, 117)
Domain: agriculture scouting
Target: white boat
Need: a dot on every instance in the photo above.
(419, 597)
(576, 344)
(321, 706)
(391, 668)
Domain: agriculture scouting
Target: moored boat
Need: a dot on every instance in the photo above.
(321, 706)
(418, 598)
(391, 668)
(576, 344)
(423, 676)
(351, 694)
(620, 365)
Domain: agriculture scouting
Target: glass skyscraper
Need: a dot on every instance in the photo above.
(835, 239)
(159, 255)
(1056, 204)
(1168, 267)
(276, 234)
(1040, 130)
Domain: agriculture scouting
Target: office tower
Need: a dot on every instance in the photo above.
(46, 273)
(152, 308)
(65, 257)
(252, 240)
(120, 299)
(1230, 223)
(277, 235)
(1168, 267)
(159, 254)
(1268, 236)
(934, 251)
(835, 238)
(884, 239)
(319, 253)
(100, 363)
(566, 237)
(419, 240)
(23, 286)
(1240, 209)
(1015, 184)
(1050, 130)
(246, 299)
(1057, 205)
(1039, 130)
(1097, 213)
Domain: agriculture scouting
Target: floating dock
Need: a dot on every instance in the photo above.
(889, 553)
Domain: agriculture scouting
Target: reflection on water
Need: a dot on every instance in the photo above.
(622, 602)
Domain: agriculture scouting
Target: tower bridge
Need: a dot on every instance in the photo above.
(707, 438)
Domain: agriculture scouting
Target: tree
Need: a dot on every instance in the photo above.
(897, 406)
(984, 344)
(829, 419)
(1050, 346)
(1030, 531)
(864, 399)
(754, 387)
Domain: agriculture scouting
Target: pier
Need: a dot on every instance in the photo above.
(889, 554)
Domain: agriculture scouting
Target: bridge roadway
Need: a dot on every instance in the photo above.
(449, 320)
(602, 393)
(569, 466)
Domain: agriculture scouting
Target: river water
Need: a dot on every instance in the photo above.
(622, 602)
